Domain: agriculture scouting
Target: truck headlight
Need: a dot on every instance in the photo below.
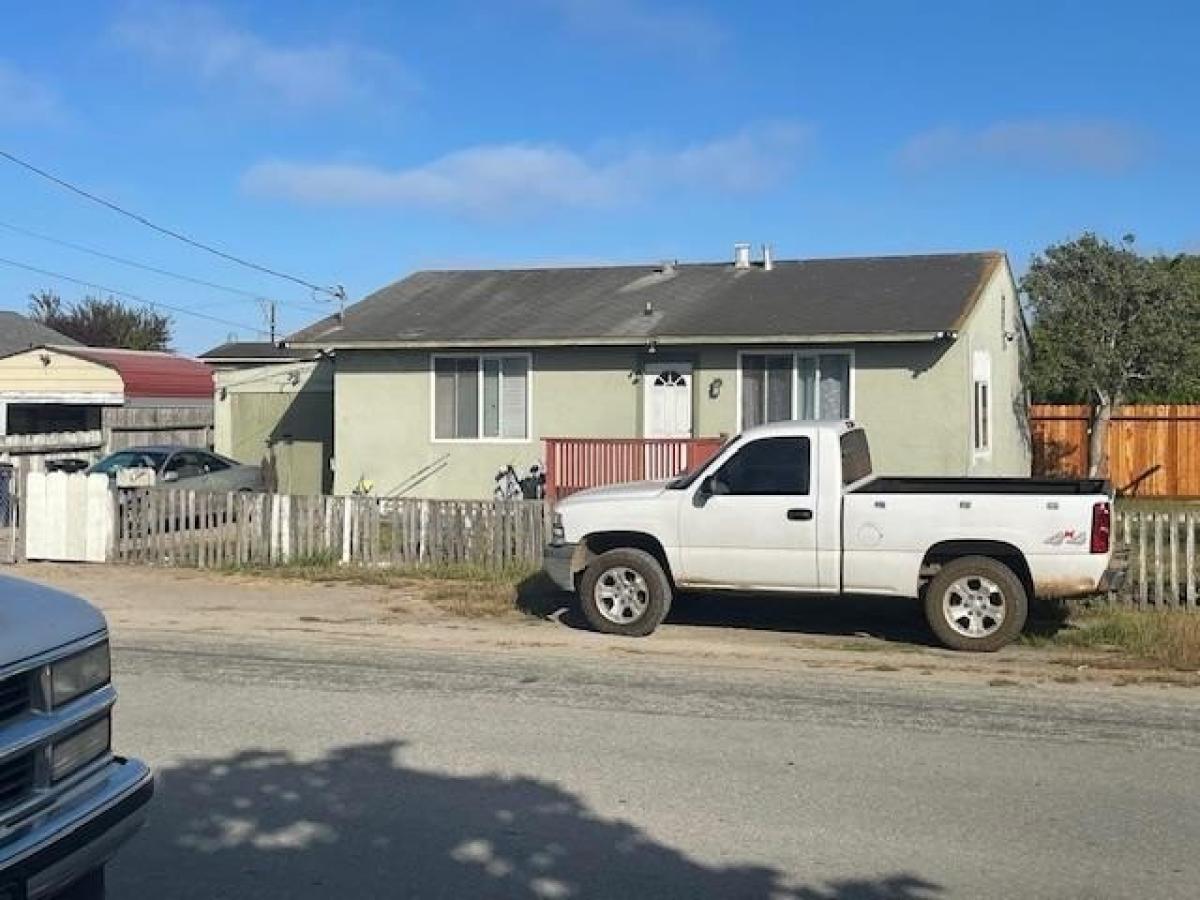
(558, 534)
(79, 674)
(74, 752)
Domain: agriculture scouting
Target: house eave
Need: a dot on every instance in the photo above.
(912, 337)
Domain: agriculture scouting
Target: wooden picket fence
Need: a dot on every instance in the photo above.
(214, 530)
(1160, 549)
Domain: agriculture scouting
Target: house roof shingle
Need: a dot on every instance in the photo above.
(253, 351)
(18, 332)
(881, 298)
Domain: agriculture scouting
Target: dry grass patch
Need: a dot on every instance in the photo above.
(1170, 640)
(469, 592)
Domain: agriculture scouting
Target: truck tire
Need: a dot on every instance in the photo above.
(976, 603)
(625, 592)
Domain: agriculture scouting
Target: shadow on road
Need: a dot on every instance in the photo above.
(885, 618)
(893, 619)
(359, 824)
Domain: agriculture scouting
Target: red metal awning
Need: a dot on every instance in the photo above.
(146, 373)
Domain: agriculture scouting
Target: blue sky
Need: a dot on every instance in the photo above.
(354, 143)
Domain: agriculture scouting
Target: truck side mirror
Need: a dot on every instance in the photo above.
(700, 498)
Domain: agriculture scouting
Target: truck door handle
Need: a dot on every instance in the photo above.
(799, 515)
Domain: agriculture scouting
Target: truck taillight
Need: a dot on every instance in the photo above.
(1101, 527)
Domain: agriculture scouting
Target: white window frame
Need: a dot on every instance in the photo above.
(796, 356)
(479, 358)
(981, 377)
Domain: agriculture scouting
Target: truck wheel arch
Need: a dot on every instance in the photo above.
(603, 541)
(1002, 552)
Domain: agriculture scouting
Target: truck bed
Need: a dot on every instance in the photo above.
(1064, 487)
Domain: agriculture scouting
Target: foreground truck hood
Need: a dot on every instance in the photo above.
(36, 619)
(633, 490)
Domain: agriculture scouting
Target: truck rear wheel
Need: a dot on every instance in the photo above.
(625, 592)
(976, 603)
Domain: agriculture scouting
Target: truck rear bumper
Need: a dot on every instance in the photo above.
(557, 562)
(78, 834)
(1115, 576)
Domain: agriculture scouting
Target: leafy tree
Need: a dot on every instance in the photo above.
(1111, 326)
(102, 323)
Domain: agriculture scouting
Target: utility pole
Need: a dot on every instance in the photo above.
(340, 293)
(268, 311)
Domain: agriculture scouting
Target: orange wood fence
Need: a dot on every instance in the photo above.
(1153, 450)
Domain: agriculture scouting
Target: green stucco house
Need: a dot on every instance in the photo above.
(445, 377)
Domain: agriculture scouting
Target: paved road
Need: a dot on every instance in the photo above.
(342, 773)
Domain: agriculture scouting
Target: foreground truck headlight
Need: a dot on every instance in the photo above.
(80, 674)
(70, 754)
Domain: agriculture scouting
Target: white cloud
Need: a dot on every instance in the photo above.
(198, 42)
(1060, 145)
(502, 180)
(650, 25)
(24, 100)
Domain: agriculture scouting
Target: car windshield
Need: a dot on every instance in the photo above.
(684, 481)
(129, 459)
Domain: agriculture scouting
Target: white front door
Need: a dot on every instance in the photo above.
(668, 400)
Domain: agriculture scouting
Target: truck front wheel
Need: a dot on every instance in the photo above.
(976, 603)
(625, 592)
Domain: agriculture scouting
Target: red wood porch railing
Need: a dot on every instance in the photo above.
(573, 464)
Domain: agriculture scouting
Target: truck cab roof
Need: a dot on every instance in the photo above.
(793, 427)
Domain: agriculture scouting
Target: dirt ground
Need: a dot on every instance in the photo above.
(870, 635)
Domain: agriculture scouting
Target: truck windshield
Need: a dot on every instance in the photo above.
(856, 456)
(685, 481)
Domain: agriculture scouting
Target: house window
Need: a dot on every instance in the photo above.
(481, 397)
(981, 405)
(807, 386)
(982, 436)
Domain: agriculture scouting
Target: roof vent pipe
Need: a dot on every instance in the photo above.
(768, 258)
(741, 256)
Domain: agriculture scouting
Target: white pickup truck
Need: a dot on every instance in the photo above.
(794, 507)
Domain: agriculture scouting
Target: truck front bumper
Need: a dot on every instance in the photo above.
(78, 833)
(557, 562)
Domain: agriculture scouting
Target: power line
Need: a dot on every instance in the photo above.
(134, 297)
(17, 229)
(333, 292)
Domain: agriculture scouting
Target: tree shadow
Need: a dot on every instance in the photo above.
(358, 823)
(1054, 458)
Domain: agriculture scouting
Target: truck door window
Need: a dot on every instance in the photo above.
(767, 467)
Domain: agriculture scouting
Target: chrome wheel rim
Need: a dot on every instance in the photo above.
(974, 606)
(621, 595)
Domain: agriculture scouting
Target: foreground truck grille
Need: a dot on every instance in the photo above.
(14, 696)
(16, 780)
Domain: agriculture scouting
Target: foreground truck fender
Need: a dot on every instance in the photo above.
(67, 803)
(795, 507)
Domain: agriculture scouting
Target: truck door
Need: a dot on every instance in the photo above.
(753, 523)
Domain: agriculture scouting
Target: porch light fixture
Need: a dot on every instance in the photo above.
(652, 346)
(714, 388)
